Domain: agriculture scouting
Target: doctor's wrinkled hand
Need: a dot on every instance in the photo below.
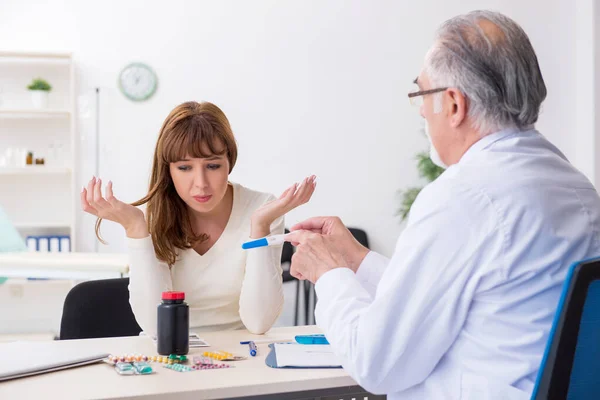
(315, 255)
(338, 236)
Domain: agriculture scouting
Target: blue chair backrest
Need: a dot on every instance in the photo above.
(570, 368)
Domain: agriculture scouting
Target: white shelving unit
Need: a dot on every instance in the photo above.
(24, 113)
(39, 199)
(43, 225)
(34, 170)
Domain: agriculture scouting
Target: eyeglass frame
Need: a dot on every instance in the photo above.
(425, 92)
(412, 95)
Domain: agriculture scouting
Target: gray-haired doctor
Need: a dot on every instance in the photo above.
(463, 308)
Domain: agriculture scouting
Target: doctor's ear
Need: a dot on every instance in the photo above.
(456, 106)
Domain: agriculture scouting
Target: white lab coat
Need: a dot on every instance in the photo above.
(464, 307)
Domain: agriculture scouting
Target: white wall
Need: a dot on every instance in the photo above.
(309, 87)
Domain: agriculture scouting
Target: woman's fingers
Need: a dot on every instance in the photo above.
(300, 189)
(90, 190)
(289, 192)
(312, 184)
(85, 206)
(305, 192)
(99, 201)
(110, 197)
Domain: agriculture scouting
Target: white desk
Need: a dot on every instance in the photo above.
(250, 378)
(63, 265)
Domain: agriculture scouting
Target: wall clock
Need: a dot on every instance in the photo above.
(138, 81)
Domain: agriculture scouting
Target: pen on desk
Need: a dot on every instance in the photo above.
(264, 341)
(273, 240)
(253, 349)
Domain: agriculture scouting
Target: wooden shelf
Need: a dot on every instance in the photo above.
(35, 170)
(34, 113)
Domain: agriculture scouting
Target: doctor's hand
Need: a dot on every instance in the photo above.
(315, 254)
(112, 209)
(294, 196)
(339, 236)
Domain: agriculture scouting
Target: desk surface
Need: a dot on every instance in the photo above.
(113, 262)
(63, 265)
(250, 377)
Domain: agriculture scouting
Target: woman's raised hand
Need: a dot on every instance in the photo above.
(110, 208)
(294, 196)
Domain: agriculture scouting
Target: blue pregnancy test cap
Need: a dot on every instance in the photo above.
(255, 243)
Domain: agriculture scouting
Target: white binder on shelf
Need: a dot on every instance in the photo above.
(54, 245)
(65, 244)
(43, 245)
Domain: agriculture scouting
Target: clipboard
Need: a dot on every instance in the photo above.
(271, 360)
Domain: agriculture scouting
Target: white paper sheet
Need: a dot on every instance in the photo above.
(300, 355)
(195, 340)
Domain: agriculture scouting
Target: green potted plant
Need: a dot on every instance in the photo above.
(39, 89)
(429, 171)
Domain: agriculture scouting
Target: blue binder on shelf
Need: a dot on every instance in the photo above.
(272, 362)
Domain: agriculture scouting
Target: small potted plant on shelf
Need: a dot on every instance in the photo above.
(39, 89)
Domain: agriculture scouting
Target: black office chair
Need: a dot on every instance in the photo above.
(360, 235)
(96, 309)
(286, 262)
(569, 369)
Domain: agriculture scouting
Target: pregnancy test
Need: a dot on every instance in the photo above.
(266, 241)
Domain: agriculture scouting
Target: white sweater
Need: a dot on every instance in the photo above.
(226, 288)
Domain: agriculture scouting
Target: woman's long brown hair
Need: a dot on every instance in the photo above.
(190, 129)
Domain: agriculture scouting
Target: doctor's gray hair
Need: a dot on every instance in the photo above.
(489, 58)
